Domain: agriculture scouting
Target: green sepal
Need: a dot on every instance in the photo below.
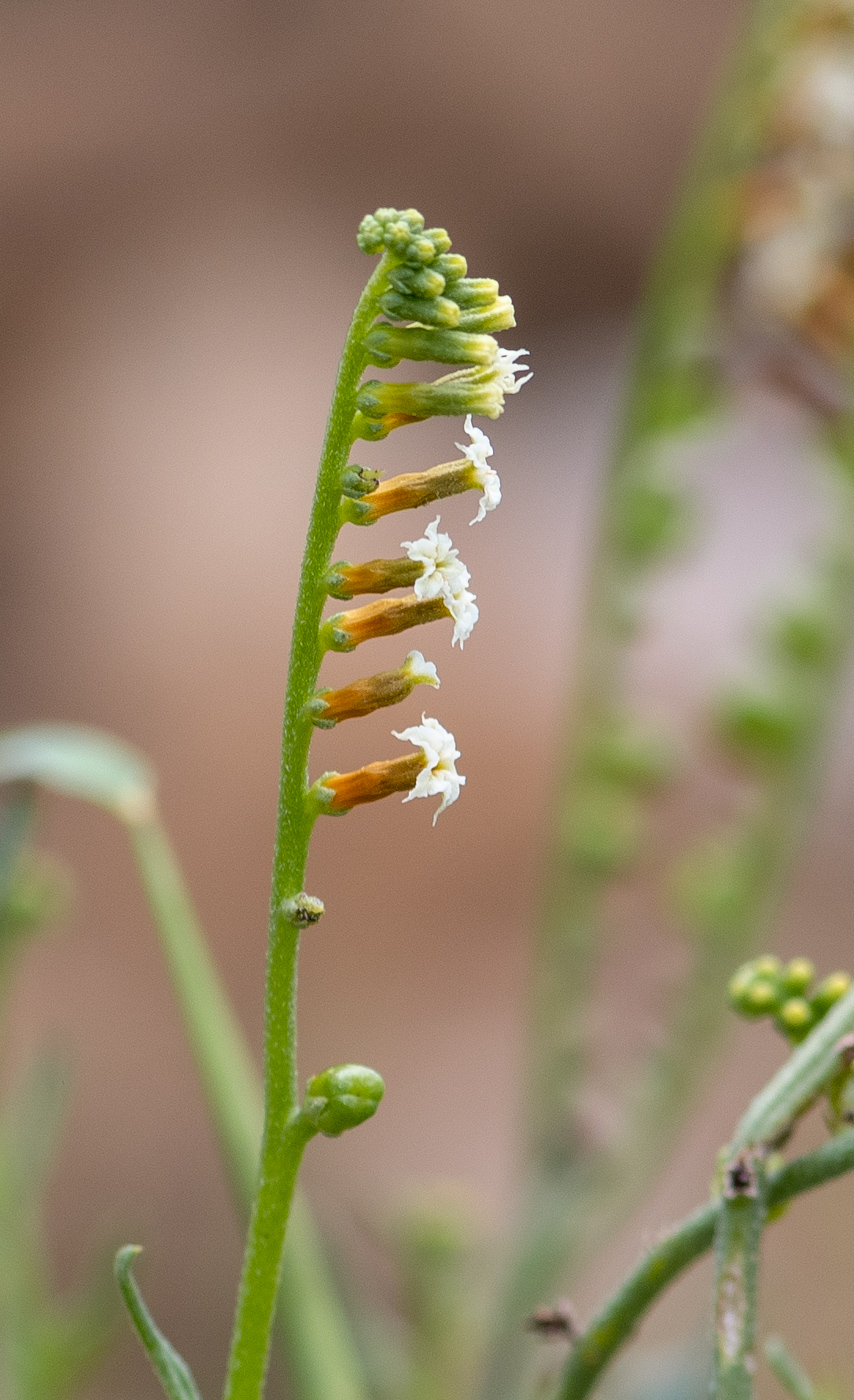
(171, 1369)
(80, 762)
(417, 281)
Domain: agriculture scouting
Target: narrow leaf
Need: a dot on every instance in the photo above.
(80, 762)
(791, 1375)
(171, 1369)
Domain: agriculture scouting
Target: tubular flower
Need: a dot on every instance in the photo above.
(482, 389)
(444, 576)
(439, 776)
(362, 697)
(482, 474)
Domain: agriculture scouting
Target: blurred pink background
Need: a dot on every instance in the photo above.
(182, 185)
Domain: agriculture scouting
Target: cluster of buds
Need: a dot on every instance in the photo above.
(449, 318)
(796, 271)
(767, 987)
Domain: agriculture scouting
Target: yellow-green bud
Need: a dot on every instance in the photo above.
(500, 316)
(797, 976)
(474, 293)
(829, 991)
(417, 281)
(795, 1018)
(388, 345)
(432, 311)
(452, 266)
(761, 998)
(342, 1097)
(763, 728)
(767, 966)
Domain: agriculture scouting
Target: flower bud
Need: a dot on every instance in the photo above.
(474, 293)
(417, 281)
(345, 630)
(829, 991)
(797, 976)
(500, 316)
(342, 1097)
(795, 1019)
(452, 266)
(432, 311)
(388, 345)
(362, 697)
(766, 729)
(374, 576)
(303, 910)
(755, 989)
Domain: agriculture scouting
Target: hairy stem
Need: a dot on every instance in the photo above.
(616, 1321)
(282, 1143)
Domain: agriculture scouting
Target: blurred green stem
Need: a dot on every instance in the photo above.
(668, 392)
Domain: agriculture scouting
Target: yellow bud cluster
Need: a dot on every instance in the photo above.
(767, 987)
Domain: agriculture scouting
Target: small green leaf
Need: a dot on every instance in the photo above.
(82, 763)
(171, 1369)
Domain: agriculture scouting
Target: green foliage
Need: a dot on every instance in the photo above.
(48, 1345)
(171, 1369)
(82, 763)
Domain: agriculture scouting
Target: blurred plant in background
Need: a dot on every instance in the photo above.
(755, 277)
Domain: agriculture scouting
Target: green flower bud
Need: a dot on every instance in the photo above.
(431, 311)
(630, 757)
(795, 1018)
(342, 1097)
(766, 729)
(755, 988)
(389, 228)
(809, 637)
(829, 991)
(500, 316)
(761, 998)
(474, 293)
(797, 976)
(650, 520)
(417, 281)
(452, 266)
(388, 345)
(603, 831)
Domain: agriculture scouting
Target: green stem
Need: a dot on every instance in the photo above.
(616, 1321)
(282, 1145)
(738, 1233)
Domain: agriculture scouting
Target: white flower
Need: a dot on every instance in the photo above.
(438, 777)
(419, 671)
(464, 611)
(483, 475)
(444, 575)
(442, 571)
(506, 369)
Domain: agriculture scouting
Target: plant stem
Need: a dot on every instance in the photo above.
(738, 1233)
(620, 1316)
(283, 1137)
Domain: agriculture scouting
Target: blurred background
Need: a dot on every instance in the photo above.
(182, 184)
